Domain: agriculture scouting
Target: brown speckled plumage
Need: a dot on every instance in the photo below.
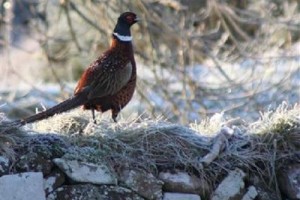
(114, 99)
(109, 82)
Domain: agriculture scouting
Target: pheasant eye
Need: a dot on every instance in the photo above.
(129, 18)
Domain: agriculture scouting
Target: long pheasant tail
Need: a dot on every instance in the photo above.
(66, 105)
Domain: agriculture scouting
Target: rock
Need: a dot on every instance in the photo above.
(145, 184)
(34, 162)
(86, 172)
(289, 181)
(231, 187)
(22, 186)
(92, 192)
(87, 154)
(182, 182)
(53, 181)
(180, 196)
(250, 194)
(4, 165)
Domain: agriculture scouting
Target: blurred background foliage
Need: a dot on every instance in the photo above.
(195, 57)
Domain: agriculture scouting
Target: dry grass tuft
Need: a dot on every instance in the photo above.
(67, 123)
(272, 120)
(280, 127)
(209, 126)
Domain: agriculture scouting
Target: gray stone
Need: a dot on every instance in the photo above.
(180, 196)
(86, 172)
(250, 194)
(231, 187)
(4, 165)
(93, 192)
(22, 186)
(182, 182)
(289, 181)
(53, 181)
(144, 184)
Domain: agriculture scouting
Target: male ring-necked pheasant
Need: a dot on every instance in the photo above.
(108, 83)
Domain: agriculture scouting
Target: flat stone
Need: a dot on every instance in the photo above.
(144, 184)
(86, 172)
(53, 181)
(182, 182)
(250, 194)
(289, 181)
(231, 187)
(4, 165)
(180, 196)
(22, 186)
(93, 192)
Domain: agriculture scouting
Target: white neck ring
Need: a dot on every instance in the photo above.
(123, 38)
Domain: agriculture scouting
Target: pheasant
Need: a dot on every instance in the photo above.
(108, 83)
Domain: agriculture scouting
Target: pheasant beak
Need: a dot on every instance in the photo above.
(137, 19)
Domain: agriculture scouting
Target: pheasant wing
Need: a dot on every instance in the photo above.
(110, 80)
